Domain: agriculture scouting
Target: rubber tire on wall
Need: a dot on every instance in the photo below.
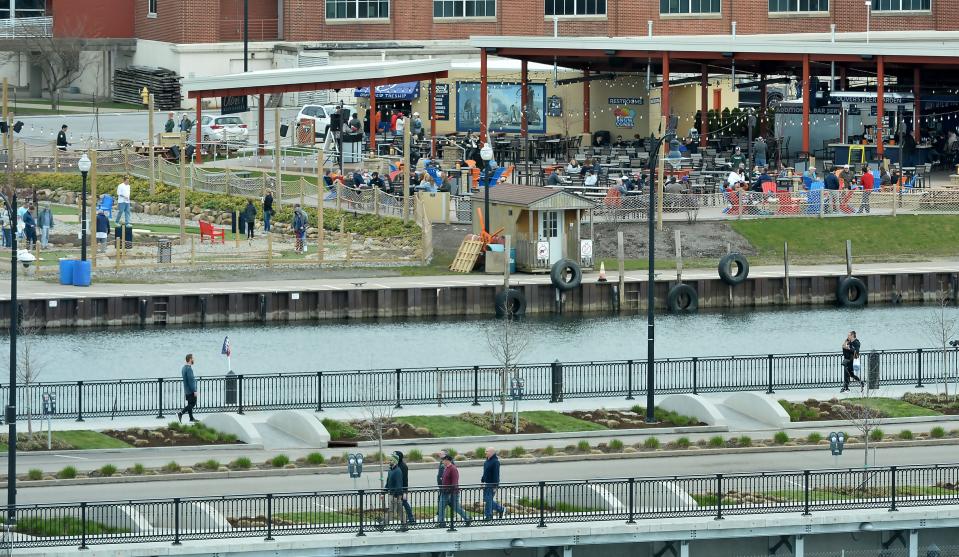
(675, 295)
(852, 283)
(557, 274)
(508, 300)
(725, 267)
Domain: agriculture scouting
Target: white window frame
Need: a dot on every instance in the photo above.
(690, 13)
(152, 8)
(464, 3)
(799, 10)
(357, 18)
(876, 8)
(575, 11)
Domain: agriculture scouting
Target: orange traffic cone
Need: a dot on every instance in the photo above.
(602, 272)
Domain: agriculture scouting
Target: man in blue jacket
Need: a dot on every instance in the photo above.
(394, 493)
(189, 388)
(490, 482)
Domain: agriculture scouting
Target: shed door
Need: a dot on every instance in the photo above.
(551, 230)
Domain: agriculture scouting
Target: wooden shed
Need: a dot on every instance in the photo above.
(544, 224)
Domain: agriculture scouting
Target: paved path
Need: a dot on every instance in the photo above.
(40, 290)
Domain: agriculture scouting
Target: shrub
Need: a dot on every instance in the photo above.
(937, 432)
(453, 453)
(242, 463)
(479, 453)
(744, 441)
(209, 465)
(108, 470)
(905, 434)
(814, 437)
(35, 474)
(616, 445)
(414, 455)
(171, 466)
(651, 443)
(138, 469)
(549, 450)
(716, 441)
(683, 442)
(280, 460)
(876, 435)
(67, 473)
(517, 452)
(583, 446)
(339, 430)
(317, 458)
(781, 438)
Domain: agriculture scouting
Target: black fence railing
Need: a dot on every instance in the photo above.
(541, 503)
(476, 384)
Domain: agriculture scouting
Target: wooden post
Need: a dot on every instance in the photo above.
(786, 271)
(660, 178)
(6, 118)
(93, 208)
(153, 178)
(276, 156)
(679, 256)
(320, 203)
(406, 168)
(269, 248)
(183, 187)
(319, 185)
(506, 266)
(339, 196)
(192, 250)
(848, 258)
(621, 256)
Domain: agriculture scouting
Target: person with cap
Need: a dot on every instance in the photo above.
(490, 482)
(401, 464)
(394, 490)
(170, 123)
(450, 493)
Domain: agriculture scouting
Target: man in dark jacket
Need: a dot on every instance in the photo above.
(189, 389)
(29, 227)
(401, 464)
(62, 138)
(450, 493)
(394, 493)
(441, 511)
(249, 218)
(490, 482)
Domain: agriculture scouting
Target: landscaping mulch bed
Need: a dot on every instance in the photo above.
(623, 419)
(164, 437)
(940, 403)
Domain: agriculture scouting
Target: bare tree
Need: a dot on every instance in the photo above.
(863, 416)
(508, 341)
(30, 363)
(377, 420)
(941, 325)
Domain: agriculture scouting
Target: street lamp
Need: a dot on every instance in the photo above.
(11, 410)
(868, 4)
(486, 153)
(84, 165)
(651, 284)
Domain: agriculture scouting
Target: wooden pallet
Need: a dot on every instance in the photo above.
(467, 256)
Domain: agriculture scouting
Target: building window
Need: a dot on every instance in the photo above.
(152, 8)
(798, 6)
(690, 7)
(902, 5)
(575, 7)
(357, 9)
(22, 8)
(464, 8)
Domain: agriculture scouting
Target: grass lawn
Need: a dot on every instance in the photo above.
(554, 421)
(339, 430)
(444, 426)
(874, 238)
(439, 265)
(894, 408)
(80, 439)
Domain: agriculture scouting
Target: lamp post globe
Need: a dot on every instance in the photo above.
(83, 165)
(486, 153)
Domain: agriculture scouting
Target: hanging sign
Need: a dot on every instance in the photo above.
(554, 106)
(233, 105)
(442, 101)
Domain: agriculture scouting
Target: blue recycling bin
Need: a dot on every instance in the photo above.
(512, 260)
(81, 273)
(66, 270)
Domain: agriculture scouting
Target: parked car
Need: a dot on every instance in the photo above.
(229, 129)
(320, 114)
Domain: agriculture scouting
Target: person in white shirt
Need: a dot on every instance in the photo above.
(735, 178)
(123, 201)
(590, 179)
(400, 124)
(573, 168)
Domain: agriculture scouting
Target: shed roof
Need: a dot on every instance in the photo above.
(535, 197)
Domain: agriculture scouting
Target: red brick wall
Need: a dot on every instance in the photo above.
(99, 19)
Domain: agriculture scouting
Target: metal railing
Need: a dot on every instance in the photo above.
(540, 504)
(476, 384)
(26, 27)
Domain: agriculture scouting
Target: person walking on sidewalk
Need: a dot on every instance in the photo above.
(401, 464)
(490, 482)
(189, 388)
(450, 493)
(394, 492)
(46, 224)
(440, 509)
(850, 352)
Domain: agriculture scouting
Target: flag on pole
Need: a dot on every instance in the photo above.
(226, 347)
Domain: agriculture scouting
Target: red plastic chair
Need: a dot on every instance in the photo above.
(213, 232)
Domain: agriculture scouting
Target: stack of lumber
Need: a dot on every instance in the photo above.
(164, 84)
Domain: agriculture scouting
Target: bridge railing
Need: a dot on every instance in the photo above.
(540, 504)
(477, 384)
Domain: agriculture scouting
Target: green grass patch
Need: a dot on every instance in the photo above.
(556, 422)
(894, 408)
(108, 470)
(138, 469)
(651, 443)
(444, 426)
(340, 430)
(317, 458)
(80, 439)
(62, 526)
(555, 506)
(781, 438)
(583, 446)
(937, 432)
(68, 473)
(616, 445)
(667, 416)
(814, 437)
(280, 460)
(415, 455)
(876, 435)
(716, 441)
(549, 450)
(171, 467)
(204, 433)
(517, 452)
(211, 464)
(798, 412)
(905, 435)
(682, 443)
(242, 463)
(744, 441)
(35, 474)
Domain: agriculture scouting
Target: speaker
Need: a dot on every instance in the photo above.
(284, 128)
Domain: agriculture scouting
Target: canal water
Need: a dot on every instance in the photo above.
(158, 352)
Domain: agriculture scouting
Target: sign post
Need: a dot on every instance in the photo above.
(354, 466)
(49, 409)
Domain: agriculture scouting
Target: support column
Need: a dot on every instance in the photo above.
(805, 104)
(684, 548)
(881, 106)
(762, 105)
(704, 102)
(524, 98)
(586, 129)
(567, 551)
(197, 125)
(261, 125)
(843, 78)
(664, 95)
(917, 107)
(484, 94)
(913, 543)
(799, 549)
(373, 123)
(433, 117)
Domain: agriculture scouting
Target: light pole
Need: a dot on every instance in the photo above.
(11, 410)
(246, 34)
(84, 165)
(486, 153)
(868, 4)
(651, 284)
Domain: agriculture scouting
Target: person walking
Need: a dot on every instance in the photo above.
(5, 224)
(868, 182)
(45, 220)
(267, 210)
(249, 215)
(123, 201)
(850, 352)
(62, 138)
(759, 151)
(30, 227)
(394, 491)
(189, 388)
(401, 464)
(450, 493)
(490, 481)
(441, 505)
(300, 222)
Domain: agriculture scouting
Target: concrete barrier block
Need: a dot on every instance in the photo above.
(196, 515)
(301, 424)
(236, 424)
(121, 517)
(585, 496)
(695, 406)
(760, 407)
(662, 495)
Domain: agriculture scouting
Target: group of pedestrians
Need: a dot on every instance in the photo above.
(448, 482)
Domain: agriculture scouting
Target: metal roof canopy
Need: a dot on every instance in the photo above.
(317, 78)
(535, 198)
